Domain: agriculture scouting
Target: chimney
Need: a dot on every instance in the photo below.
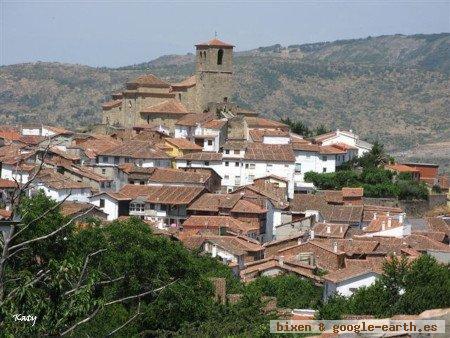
(401, 218)
(383, 226)
(374, 215)
(389, 222)
(335, 247)
(281, 260)
(311, 234)
(328, 229)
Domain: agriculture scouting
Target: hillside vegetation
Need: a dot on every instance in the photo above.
(390, 88)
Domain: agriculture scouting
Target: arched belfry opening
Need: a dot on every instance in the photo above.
(219, 56)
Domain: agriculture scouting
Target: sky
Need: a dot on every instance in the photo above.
(118, 33)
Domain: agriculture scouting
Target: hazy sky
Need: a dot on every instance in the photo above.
(115, 33)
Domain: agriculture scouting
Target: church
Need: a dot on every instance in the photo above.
(150, 100)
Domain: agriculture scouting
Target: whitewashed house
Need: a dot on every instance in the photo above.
(388, 226)
(59, 187)
(312, 157)
(113, 204)
(344, 137)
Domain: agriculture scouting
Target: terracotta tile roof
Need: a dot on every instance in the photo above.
(171, 106)
(323, 137)
(112, 104)
(235, 245)
(63, 154)
(370, 210)
(149, 80)
(258, 135)
(333, 196)
(330, 150)
(184, 144)
(57, 181)
(219, 222)
(315, 148)
(115, 195)
(330, 230)
(352, 192)
(386, 245)
(247, 207)
(10, 135)
(32, 139)
(269, 152)
(344, 274)
(135, 149)
(186, 83)
(133, 191)
(381, 222)
(166, 175)
(401, 168)
(93, 147)
(424, 243)
(214, 202)
(191, 120)
(272, 195)
(374, 263)
(235, 145)
(438, 224)
(72, 208)
(7, 184)
(343, 146)
(5, 214)
(260, 122)
(201, 156)
(214, 124)
(435, 235)
(214, 43)
(174, 195)
(351, 246)
(87, 172)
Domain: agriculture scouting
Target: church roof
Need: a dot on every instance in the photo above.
(186, 83)
(167, 107)
(215, 43)
(149, 80)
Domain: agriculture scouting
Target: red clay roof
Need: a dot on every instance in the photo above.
(202, 156)
(133, 191)
(174, 195)
(184, 144)
(135, 149)
(233, 224)
(7, 184)
(171, 106)
(258, 135)
(57, 181)
(214, 124)
(401, 168)
(214, 43)
(186, 83)
(330, 230)
(191, 120)
(352, 192)
(269, 152)
(247, 207)
(214, 202)
(149, 80)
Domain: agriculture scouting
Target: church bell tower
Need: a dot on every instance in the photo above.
(214, 73)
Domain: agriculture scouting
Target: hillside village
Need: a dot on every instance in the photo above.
(199, 169)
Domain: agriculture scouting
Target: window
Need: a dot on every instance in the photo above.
(237, 180)
(206, 162)
(219, 56)
(152, 206)
(163, 207)
(246, 165)
(103, 171)
(324, 170)
(227, 151)
(210, 142)
(116, 160)
(286, 165)
(298, 167)
(226, 177)
(188, 163)
(227, 163)
(102, 202)
(236, 164)
(252, 165)
(324, 158)
(179, 96)
(127, 160)
(105, 159)
(251, 178)
(225, 99)
(148, 119)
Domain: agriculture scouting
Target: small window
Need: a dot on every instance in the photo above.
(188, 163)
(227, 164)
(102, 202)
(227, 151)
(251, 178)
(152, 206)
(103, 171)
(116, 160)
(179, 96)
(210, 142)
(298, 167)
(163, 207)
(206, 162)
(226, 177)
(324, 158)
(220, 56)
(324, 170)
(246, 165)
(225, 99)
(236, 164)
(252, 165)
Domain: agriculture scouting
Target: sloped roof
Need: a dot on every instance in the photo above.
(167, 175)
(269, 152)
(350, 272)
(174, 195)
(184, 144)
(214, 124)
(247, 207)
(214, 43)
(219, 222)
(191, 120)
(149, 80)
(133, 191)
(330, 230)
(7, 184)
(72, 208)
(213, 202)
(135, 149)
(201, 156)
(352, 192)
(258, 135)
(171, 106)
(55, 180)
(186, 83)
